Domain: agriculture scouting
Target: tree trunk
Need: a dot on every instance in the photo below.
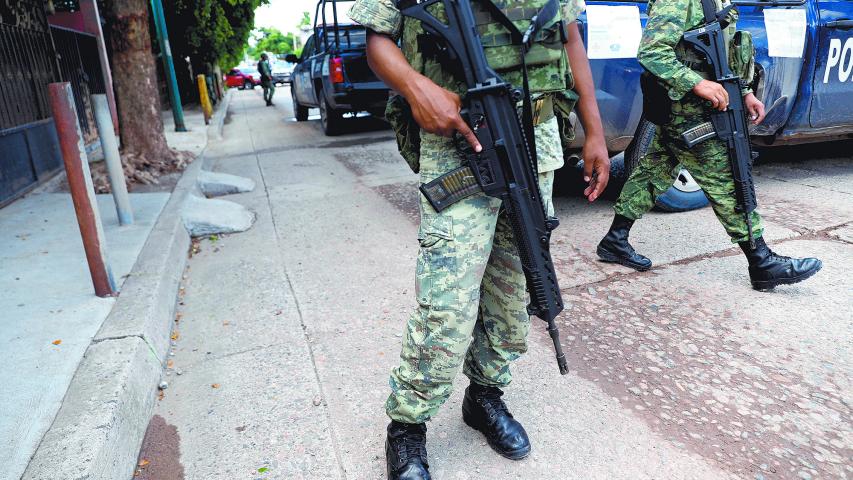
(135, 81)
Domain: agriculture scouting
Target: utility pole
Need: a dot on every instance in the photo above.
(168, 64)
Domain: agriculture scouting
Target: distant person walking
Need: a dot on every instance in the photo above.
(266, 78)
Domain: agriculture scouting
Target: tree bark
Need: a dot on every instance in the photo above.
(135, 82)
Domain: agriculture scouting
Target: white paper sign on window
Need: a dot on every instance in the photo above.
(786, 32)
(613, 31)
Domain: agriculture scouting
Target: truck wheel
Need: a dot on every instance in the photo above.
(331, 119)
(300, 112)
(684, 195)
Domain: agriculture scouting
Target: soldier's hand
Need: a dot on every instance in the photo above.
(755, 108)
(596, 167)
(714, 93)
(437, 111)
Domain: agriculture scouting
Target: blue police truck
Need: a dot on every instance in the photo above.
(804, 76)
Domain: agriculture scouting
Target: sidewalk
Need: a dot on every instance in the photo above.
(288, 332)
(50, 314)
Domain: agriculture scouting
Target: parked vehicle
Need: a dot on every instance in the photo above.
(808, 97)
(333, 75)
(281, 72)
(242, 78)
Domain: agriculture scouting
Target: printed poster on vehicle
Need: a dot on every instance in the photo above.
(786, 32)
(613, 31)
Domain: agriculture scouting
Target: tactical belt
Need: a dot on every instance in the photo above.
(543, 109)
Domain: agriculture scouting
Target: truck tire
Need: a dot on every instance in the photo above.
(331, 119)
(300, 112)
(248, 84)
(685, 194)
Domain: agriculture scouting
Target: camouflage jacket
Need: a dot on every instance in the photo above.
(265, 70)
(662, 51)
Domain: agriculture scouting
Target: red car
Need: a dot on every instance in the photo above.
(242, 78)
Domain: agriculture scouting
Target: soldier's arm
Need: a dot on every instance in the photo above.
(596, 158)
(435, 109)
(664, 29)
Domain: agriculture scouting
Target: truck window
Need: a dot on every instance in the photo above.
(350, 38)
(308, 50)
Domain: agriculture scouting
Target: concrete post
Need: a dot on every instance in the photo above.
(92, 19)
(109, 144)
(203, 95)
(82, 189)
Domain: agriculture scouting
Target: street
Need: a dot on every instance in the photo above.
(286, 333)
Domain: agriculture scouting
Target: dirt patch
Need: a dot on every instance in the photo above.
(669, 354)
(160, 456)
(404, 197)
(365, 161)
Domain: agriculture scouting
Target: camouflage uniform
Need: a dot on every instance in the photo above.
(267, 81)
(470, 289)
(662, 53)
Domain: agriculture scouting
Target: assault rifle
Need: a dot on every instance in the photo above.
(506, 166)
(730, 125)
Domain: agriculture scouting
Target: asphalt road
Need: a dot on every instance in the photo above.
(286, 333)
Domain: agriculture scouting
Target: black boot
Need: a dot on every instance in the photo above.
(405, 451)
(768, 270)
(484, 410)
(614, 247)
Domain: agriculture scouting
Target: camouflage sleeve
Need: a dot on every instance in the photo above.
(381, 16)
(664, 29)
(572, 10)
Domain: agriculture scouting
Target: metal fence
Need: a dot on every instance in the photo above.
(27, 65)
(79, 64)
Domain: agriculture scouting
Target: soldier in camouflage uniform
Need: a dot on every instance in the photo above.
(267, 82)
(681, 78)
(470, 288)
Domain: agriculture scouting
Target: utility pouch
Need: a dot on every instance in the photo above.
(657, 106)
(564, 105)
(742, 56)
(398, 113)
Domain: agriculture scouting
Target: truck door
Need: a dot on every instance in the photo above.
(302, 73)
(832, 97)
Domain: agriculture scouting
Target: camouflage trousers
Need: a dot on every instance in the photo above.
(269, 90)
(470, 290)
(707, 162)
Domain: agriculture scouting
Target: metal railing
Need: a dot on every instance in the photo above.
(77, 55)
(27, 65)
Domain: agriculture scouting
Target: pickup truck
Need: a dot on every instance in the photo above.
(332, 74)
(808, 94)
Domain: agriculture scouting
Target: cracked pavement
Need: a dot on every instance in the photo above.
(287, 332)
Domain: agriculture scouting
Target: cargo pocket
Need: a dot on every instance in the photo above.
(436, 256)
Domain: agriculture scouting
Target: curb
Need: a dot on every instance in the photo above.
(214, 130)
(98, 431)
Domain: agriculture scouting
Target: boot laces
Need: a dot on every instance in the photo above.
(781, 258)
(492, 404)
(412, 446)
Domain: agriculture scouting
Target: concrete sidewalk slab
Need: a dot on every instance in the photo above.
(98, 430)
(48, 296)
